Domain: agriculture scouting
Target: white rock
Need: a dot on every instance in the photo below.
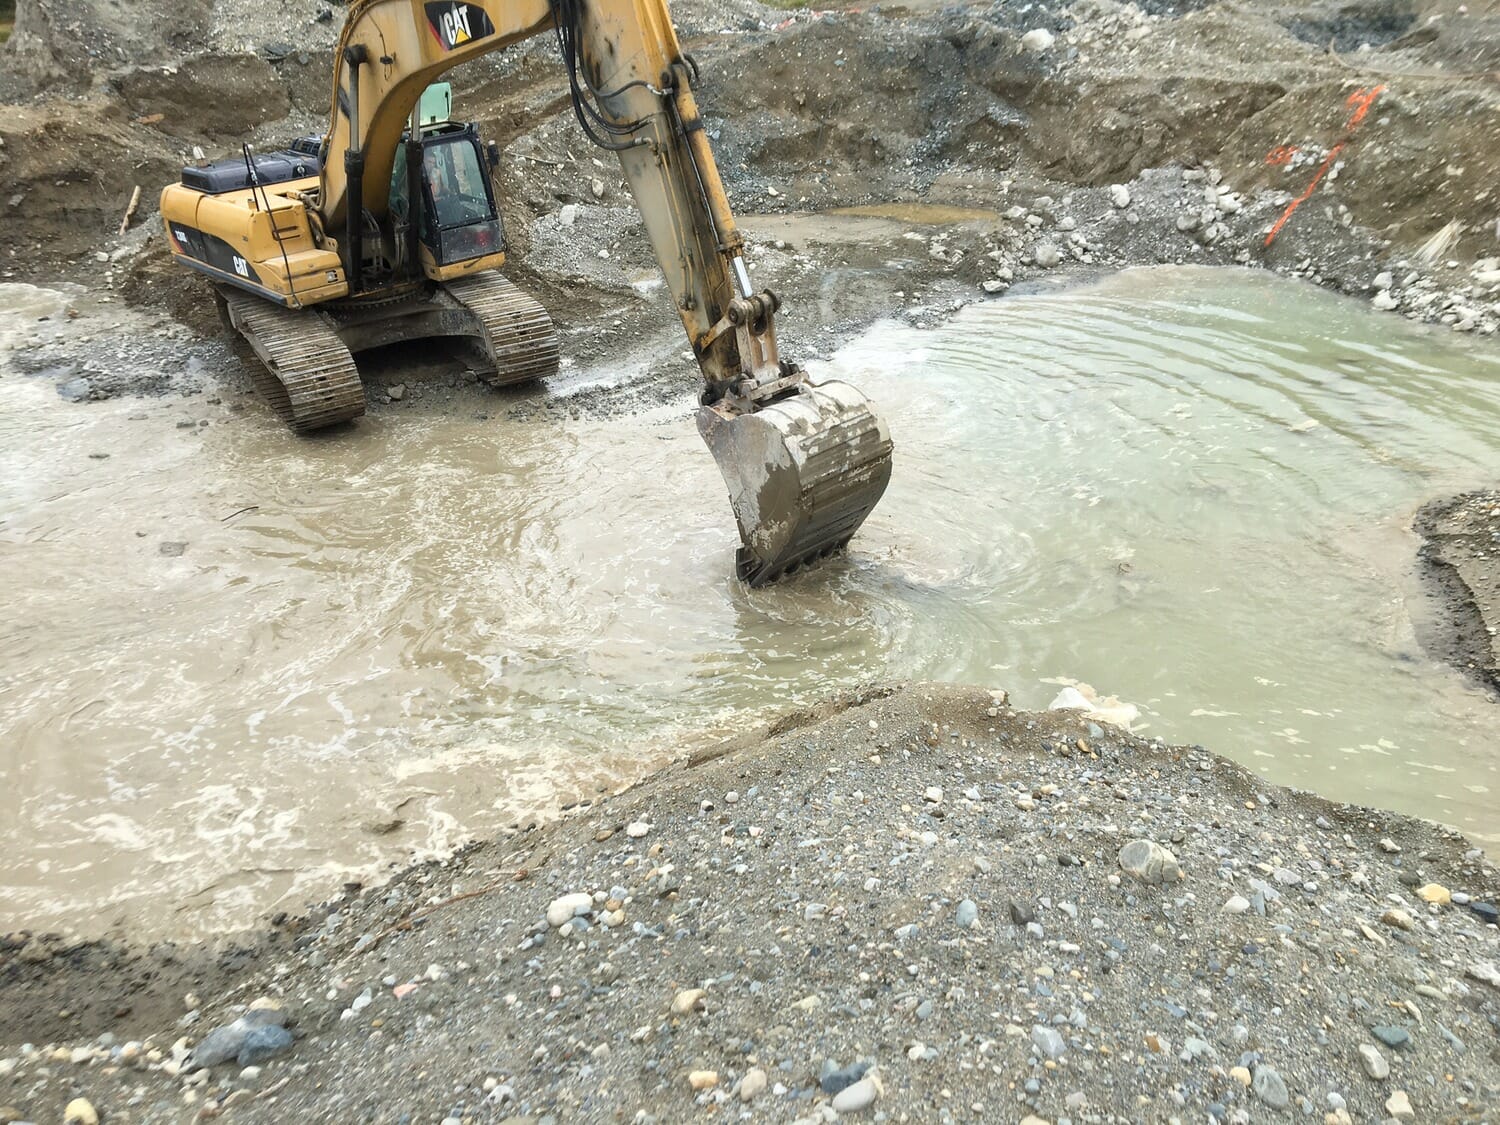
(80, 1111)
(636, 829)
(1375, 1065)
(1398, 1105)
(686, 1000)
(753, 1084)
(994, 286)
(568, 215)
(1047, 254)
(1037, 40)
(567, 907)
(1383, 280)
(1384, 301)
(857, 1097)
(1119, 195)
(933, 795)
(1237, 904)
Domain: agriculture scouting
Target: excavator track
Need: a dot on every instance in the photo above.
(519, 342)
(306, 373)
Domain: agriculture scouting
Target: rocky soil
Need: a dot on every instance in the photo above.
(914, 901)
(916, 905)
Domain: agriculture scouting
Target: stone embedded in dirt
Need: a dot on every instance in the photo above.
(80, 1111)
(1270, 1088)
(753, 1084)
(565, 908)
(1037, 40)
(636, 829)
(235, 1040)
(397, 391)
(1384, 301)
(1237, 904)
(1435, 893)
(687, 1000)
(1398, 1105)
(568, 215)
(1119, 195)
(1485, 971)
(262, 1043)
(857, 1097)
(968, 914)
(1049, 1043)
(1397, 919)
(1375, 1065)
(833, 1079)
(1391, 1036)
(1149, 862)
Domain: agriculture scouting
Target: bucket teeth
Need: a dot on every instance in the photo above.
(803, 473)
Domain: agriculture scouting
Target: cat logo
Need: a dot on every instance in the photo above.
(454, 23)
(241, 266)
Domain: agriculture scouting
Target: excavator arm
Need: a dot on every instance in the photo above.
(319, 253)
(804, 463)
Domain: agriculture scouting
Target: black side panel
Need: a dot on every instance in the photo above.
(210, 250)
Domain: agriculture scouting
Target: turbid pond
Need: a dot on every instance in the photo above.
(239, 667)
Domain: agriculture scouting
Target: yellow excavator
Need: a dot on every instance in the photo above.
(385, 229)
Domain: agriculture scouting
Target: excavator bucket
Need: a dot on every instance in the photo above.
(803, 472)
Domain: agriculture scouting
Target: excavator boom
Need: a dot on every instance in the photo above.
(804, 463)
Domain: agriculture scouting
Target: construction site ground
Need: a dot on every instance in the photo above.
(897, 161)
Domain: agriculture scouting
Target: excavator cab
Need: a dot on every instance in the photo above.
(458, 218)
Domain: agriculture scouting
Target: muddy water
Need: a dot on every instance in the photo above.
(240, 667)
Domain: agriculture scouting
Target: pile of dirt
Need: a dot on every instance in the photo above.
(915, 900)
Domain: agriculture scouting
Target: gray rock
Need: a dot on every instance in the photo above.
(1048, 1042)
(968, 913)
(1391, 1036)
(834, 1078)
(1270, 1088)
(1149, 862)
(1047, 254)
(230, 1041)
(263, 1043)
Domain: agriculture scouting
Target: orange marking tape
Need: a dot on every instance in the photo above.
(1359, 104)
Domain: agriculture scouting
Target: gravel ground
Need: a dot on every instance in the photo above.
(918, 905)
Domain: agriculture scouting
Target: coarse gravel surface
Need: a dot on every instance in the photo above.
(918, 901)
